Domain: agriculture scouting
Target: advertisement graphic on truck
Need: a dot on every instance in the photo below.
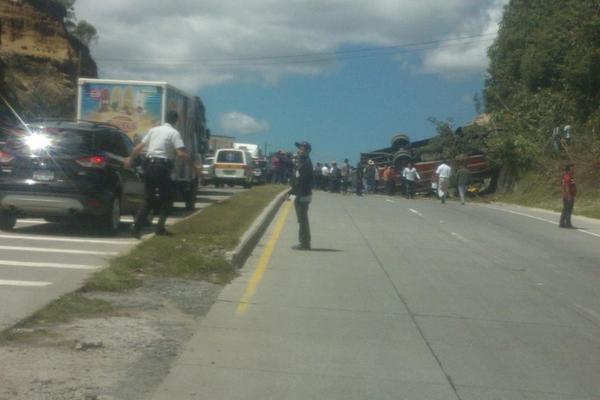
(133, 108)
(137, 106)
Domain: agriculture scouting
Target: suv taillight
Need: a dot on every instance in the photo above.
(6, 158)
(92, 162)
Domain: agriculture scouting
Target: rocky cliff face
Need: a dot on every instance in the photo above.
(39, 61)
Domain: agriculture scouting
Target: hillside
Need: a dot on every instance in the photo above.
(545, 73)
(39, 60)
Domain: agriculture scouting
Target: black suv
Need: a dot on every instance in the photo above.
(61, 170)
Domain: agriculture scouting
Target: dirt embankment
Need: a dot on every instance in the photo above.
(39, 60)
(122, 356)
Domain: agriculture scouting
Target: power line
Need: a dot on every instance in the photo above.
(307, 57)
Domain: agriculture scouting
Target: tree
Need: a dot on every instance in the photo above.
(69, 6)
(544, 72)
(85, 32)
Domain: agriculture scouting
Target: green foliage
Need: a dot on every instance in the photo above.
(85, 32)
(546, 50)
(82, 30)
(544, 72)
(449, 143)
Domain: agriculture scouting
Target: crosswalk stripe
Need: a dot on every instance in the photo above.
(10, 263)
(64, 251)
(73, 240)
(24, 283)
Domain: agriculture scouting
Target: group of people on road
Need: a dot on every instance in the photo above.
(281, 168)
(369, 178)
(333, 178)
(164, 143)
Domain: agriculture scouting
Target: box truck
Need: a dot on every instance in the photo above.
(137, 106)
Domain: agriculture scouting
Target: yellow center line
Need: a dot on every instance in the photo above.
(263, 261)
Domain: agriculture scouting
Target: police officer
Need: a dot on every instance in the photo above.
(162, 143)
(302, 192)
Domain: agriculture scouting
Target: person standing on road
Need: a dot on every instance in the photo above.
(334, 178)
(358, 179)
(462, 181)
(276, 168)
(345, 176)
(443, 173)
(370, 172)
(325, 171)
(302, 193)
(317, 176)
(389, 180)
(569, 190)
(410, 176)
(162, 143)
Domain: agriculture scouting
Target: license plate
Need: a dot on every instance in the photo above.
(229, 172)
(44, 176)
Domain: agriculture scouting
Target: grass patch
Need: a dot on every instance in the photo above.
(195, 251)
(543, 190)
(63, 309)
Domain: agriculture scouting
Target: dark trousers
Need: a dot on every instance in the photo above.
(409, 186)
(565, 215)
(157, 178)
(302, 215)
(390, 187)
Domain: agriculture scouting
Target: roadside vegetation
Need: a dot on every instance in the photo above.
(196, 250)
(544, 73)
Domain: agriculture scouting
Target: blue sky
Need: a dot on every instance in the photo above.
(343, 74)
(355, 108)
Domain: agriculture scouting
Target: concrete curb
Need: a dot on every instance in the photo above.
(237, 257)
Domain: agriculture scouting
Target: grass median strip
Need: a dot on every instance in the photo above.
(196, 250)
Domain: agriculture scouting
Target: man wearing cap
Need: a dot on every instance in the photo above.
(302, 190)
(162, 143)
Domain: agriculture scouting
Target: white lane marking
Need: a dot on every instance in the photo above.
(24, 283)
(9, 263)
(541, 219)
(527, 215)
(415, 212)
(389, 201)
(31, 221)
(588, 311)
(588, 232)
(64, 239)
(65, 251)
(459, 237)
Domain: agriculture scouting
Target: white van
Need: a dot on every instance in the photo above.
(233, 167)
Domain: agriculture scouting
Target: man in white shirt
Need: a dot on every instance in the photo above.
(443, 173)
(163, 144)
(410, 176)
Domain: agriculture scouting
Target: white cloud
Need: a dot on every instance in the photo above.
(195, 43)
(240, 123)
(470, 55)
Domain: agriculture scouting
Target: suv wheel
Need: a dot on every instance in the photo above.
(7, 221)
(111, 221)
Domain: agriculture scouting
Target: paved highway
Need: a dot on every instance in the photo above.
(40, 261)
(405, 300)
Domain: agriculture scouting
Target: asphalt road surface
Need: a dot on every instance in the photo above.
(40, 261)
(405, 300)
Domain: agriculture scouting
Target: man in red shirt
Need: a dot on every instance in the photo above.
(569, 190)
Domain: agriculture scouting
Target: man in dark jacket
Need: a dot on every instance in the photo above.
(302, 190)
